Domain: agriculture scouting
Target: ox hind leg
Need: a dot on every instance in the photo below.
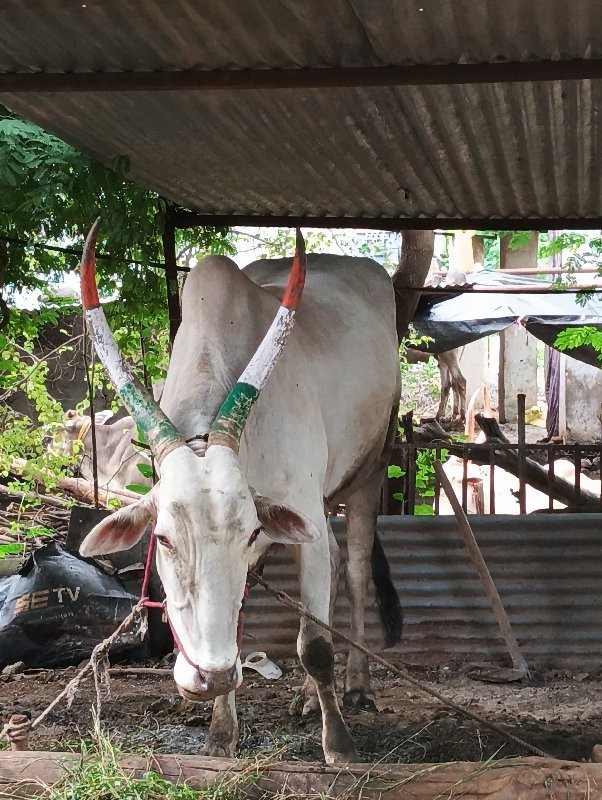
(315, 649)
(446, 386)
(459, 387)
(305, 700)
(365, 556)
(456, 380)
(222, 736)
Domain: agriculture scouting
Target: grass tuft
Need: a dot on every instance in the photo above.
(100, 776)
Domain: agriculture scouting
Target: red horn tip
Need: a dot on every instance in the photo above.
(294, 287)
(90, 297)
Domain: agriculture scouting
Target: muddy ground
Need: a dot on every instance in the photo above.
(559, 712)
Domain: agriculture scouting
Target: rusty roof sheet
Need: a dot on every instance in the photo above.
(482, 151)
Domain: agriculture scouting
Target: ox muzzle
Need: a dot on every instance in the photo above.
(198, 685)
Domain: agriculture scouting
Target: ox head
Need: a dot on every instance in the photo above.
(208, 523)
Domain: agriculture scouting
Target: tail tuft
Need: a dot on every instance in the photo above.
(389, 607)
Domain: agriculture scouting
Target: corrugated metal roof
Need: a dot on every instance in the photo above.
(492, 150)
(549, 578)
(121, 35)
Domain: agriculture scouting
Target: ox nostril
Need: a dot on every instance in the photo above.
(210, 681)
(204, 680)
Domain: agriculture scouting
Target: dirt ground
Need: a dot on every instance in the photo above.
(559, 712)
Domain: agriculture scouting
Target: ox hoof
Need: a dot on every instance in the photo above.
(358, 700)
(219, 749)
(303, 704)
(344, 755)
(296, 707)
(311, 705)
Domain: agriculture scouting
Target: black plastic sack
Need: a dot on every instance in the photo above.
(58, 607)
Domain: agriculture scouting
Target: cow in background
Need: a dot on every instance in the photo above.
(452, 380)
(117, 457)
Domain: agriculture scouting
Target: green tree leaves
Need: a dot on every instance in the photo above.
(50, 194)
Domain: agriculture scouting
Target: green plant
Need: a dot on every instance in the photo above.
(99, 775)
(420, 383)
(19, 529)
(50, 194)
(147, 471)
(424, 480)
(574, 243)
(570, 338)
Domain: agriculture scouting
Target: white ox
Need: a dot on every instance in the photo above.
(317, 435)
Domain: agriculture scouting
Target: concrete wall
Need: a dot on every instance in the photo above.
(518, 350)
(479, 364)
(580, 401)
(518, 370)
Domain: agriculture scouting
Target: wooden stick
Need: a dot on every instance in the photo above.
(476, 556)
(147, 672)
(522, 454)
(78, 487)
(57, 502)
(84, 490)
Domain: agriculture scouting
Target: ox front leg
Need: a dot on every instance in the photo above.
(305, 701)
(316, 652)
(361, 512)
(222, 737)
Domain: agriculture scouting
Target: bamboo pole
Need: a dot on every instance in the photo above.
(518, 660)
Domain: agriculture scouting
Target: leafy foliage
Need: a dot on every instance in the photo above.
(424, 479)
(21, 369)
(574, 243)
(49, 192)
(577, 337)
(275, 243)
(420, 383)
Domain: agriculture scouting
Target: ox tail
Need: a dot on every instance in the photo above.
(387, 600)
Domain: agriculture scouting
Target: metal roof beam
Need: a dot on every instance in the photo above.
(190, 219)
(314, 78)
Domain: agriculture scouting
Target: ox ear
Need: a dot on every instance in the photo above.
(120, 530)
(283, 523)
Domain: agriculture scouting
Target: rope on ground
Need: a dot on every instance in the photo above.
(286, 600)
(17, 730)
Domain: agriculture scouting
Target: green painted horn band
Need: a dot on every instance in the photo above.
(160, 433)
(232, 416)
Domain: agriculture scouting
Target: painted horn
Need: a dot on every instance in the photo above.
(160, 434)
(232, 416)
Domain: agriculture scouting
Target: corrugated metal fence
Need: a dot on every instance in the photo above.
(548, 570)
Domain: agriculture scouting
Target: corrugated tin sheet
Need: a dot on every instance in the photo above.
(121, 35)
(548, 571)
(511, 150)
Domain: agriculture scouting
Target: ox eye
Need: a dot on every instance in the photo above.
(254, 535)
(163, 541)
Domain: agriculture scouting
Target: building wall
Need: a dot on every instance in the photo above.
(581, 401)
